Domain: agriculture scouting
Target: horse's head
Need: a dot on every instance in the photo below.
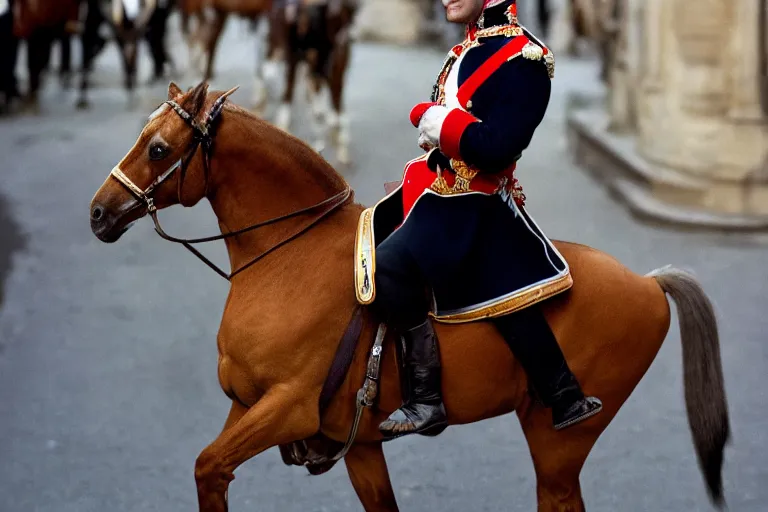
(162, 168)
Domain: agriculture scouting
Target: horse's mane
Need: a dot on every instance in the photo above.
(306, 158)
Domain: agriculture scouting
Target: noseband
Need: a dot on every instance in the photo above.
(203, 134)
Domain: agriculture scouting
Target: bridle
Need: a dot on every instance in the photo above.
(203, 134)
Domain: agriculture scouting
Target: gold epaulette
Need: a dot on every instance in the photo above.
(534, 50)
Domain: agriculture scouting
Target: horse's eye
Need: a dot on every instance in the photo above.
(157, 151)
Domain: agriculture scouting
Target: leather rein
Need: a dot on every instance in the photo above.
(203, 134)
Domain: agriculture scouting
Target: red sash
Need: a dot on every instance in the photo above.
(489, 67)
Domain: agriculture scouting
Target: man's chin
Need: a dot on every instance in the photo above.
(457, 18)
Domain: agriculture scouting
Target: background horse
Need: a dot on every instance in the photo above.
(292, 223)
(316, 32)
(129, 21)
(595, 21)
(204, 41)
(9, 90)
(40, 23)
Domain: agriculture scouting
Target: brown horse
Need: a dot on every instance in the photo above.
(204, 41)
(41, 23)
(292, 297)
(316, 32)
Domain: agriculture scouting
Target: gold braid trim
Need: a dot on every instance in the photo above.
(517, 302)
(464, 175)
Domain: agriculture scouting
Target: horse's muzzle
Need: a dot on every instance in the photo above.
(103, 224)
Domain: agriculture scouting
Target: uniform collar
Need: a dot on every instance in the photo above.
(496, 13)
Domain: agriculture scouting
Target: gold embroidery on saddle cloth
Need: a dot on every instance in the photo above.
(516, 302)
(365, 259)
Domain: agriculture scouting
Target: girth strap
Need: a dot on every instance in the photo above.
(342, 361)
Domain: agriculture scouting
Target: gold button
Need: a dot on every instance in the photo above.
(469, 104)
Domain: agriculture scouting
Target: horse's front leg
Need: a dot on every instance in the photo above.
(259, 85)
(339, 123)
(368, 472)
(282, 416)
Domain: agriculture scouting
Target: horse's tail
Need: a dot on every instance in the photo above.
(702, 373)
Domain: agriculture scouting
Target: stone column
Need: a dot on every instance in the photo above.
(625, 68)
(701, 137)
(393, 21)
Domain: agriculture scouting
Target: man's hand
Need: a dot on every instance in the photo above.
(430, 125)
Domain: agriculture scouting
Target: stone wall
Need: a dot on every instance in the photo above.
(404, 22)
(685, 92)
(397, 21)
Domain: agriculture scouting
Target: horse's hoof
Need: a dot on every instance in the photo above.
(31, 108)
(154, 80)
(66, 81)
(82, 104)
(259, 101)
(30, 105)
(344, 161)
(319, 146)
(283, 117)
(259, 109)
(271, 71)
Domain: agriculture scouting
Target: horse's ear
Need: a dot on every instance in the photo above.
(174, 91)
(195, 99)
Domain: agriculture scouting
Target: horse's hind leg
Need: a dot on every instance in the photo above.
(38, 51)
(283, 116)
(128, 50)
(558, 457)
(319, 108)
(91, 43)
(368, 472)
(65, 66)
(217, 26)
(259, 85)
(275, 49)
(339, 123)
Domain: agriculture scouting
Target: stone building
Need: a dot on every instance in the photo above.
(410, 22)
(683, 134)
(403, 22)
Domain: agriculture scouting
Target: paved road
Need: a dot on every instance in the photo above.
(108, 385)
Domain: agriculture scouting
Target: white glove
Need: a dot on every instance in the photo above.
(430, 126)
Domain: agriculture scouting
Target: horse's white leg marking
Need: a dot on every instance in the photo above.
(132, 8)
(283, 117)
(259, 95)
(342, 151)
(270, 70)
(318, 101)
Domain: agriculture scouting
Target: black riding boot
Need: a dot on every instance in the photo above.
(423, 411)
(532, 342)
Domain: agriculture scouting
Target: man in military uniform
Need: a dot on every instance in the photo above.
(457, 225)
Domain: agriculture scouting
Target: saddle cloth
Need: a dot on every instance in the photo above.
(523, 283)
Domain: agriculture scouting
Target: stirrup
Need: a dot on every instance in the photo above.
(433, 426)
(589, 406)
